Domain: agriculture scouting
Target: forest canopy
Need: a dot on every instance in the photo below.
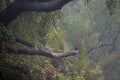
(59, 39)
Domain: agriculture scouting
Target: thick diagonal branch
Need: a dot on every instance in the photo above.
(44, 7)
(19, 6)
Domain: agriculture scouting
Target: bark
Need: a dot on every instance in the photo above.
(19, 6)
(22, 41)
(40, 52)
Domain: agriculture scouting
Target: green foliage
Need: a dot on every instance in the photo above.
(89, 25)
(82, 68)
(94, 26)
(20, 67)
(113, 66)
(55, 40)
(112, 5)
(2, 4)
(33, 27)
(62, 77)
(82, 59)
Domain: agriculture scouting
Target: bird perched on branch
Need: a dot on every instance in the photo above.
(77, 48)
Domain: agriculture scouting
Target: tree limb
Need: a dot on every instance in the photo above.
(19, 6)
(40, 52)
(44, 7)
(112, 45)
(114, 40)
(102, 45)
(22, 41)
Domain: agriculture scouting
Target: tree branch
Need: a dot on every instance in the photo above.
(40, 52)
(22, 41)
(112, 45)
(114, 40)
(18, 6)
(102, 45)
(44, 7)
